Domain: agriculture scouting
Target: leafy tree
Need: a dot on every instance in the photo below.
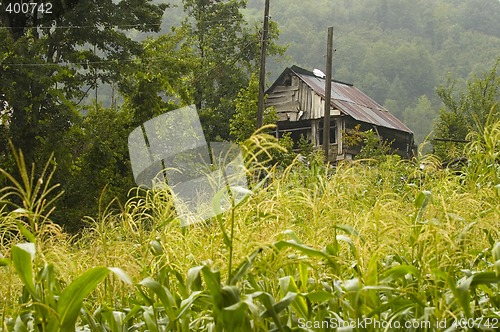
(226, 53)
(392, 49)
(48, 57)
(480, 15)
(242, 124)
(223, 51)
(470, 111)
(155, 81)
(47, 60)
(418, 118)
(100, 171)
(373, 147)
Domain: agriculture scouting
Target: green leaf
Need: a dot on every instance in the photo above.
(187, 303)
(496, 252)
(212, 280)
(122, 275)
(217, 201)
(163, 294)
(194, 278)
(22, 257)
(20, 326)
(280, 306)
(4, 262)
(319, 296)
(463, 295)
(243, 268)
(292, 235)
(421, 201)
(25, 232)
(348, 240)
(234, 317)
(398, 272)
(350, 231)
(311, 252)
(287, 285)
(484, 278)
(230, 295)
(156, 248)
(150, 319)
(71, 299)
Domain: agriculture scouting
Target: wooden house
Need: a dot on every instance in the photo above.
(298, 97)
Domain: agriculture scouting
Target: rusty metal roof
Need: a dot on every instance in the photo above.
(349, 100)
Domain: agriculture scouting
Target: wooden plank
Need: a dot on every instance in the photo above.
(291, 106)
(275, 94)
(282, 88)
(277, 101)
(282, 117)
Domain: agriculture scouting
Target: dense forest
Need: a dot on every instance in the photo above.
(76, 89)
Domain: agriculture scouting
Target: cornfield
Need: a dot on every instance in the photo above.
(363, 246)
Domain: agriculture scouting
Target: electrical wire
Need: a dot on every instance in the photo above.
(197, 77)
(90, 63)
(108, 26)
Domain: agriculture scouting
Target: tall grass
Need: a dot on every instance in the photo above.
(314, 246)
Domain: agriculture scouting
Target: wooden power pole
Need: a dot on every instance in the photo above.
(328, 94)
(262, 73)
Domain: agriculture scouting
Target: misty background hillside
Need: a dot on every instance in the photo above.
(396, 51)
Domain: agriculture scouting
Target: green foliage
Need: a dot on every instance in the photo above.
(370, 144)
(388, 242)
(46, 63)
(43, 70)
(224, 52)
(306, 147)
(101, 167)
(53, 307)
(222, 47)
(352, 137)
(396, 51)
(243, 123)
(483, 153)
(468, 112)
(391, 49)
(373, 147)
(285, 157)
(154, 82)
(28, 201)
(419, 118)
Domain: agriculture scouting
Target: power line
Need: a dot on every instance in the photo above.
(67, 63)
(108, 26)
(82, 26)
(89, 63)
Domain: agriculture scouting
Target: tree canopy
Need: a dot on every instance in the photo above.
(48, 59)
(51, 62)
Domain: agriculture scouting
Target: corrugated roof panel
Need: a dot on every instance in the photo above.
(353, 102)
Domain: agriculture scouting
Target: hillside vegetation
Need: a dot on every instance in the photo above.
(396, 51)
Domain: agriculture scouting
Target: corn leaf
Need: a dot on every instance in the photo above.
(22, 257)
(71, 299)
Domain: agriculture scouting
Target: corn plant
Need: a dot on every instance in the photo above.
(384, 242)
(30, 198)
(46, 304)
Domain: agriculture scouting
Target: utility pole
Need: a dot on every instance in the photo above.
(262, 73)
(328, 94)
